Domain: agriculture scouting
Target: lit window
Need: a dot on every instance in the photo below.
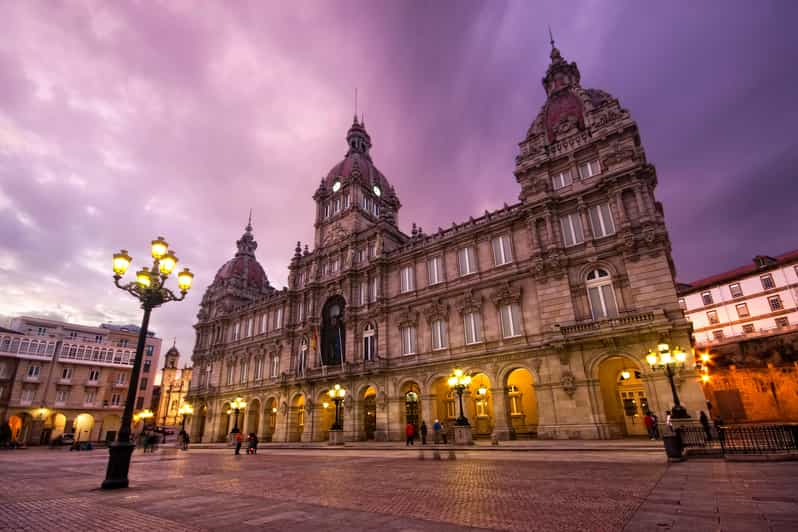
(589, 169)
(408, 335)
(571, 229)
(511, 320)
(775, 303)
(601, 220)
(742, 310)
(767, 282)
(735, 290)
(712, 317)
(369, 342)
(601, 295)
(501, 250)
(472, 324)
(435, 270)
(562, 179)
(438, 327)
(467, 260)
(706, 297)
(407, 279)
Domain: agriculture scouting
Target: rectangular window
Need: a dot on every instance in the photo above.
(363, 292)
(243, 372)
(435, 270)
(589, 169)
(775, 303)
(369, 344)
(250, 326)
(61, 396)
(438, 334)
(41, 331)
(27, 396)
(3, 370)
(408, 279)
(258, 368)
(767, 282)
(717, 335)
(602, 301)
(712, 316)
(143, 383)
(706, 297)
(66, 373)
(735, 290)
(300, 311)
(275, 366)
(408, 340)
(91, 396)
(34, 371)
(116, 399)
(682, 304)
(145, 368)
(467, 260)
(94, 375)
(139, 403)
(782, 322)
(73, 334)
(511, 320)
(748, 328)
(501, 250)
(601, 220)
(742, 310)
(473, 328)
(120, 378)
(230, 371)
(373, 290)
(562, 179)
(571, 229)
(236, 331)
(278, 318)
(123, 342)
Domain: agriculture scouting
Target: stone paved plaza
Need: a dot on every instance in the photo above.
(392, 489)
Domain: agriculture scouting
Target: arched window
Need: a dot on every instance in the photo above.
(369, 342)
(600, 294)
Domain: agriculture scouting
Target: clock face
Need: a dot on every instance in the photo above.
(336, 186)
(377, 191)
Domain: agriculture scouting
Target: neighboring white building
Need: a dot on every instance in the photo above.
(759, 299)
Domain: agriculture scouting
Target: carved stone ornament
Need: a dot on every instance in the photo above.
(407, 317)
(506, 294)
(436, 310)
(619, 155)
(309, 406)
(469, 303)
(333, 289)
(568, 383)
(335, 234)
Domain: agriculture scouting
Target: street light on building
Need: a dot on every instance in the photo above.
(459, 382)
(149, 288)
(185, 410)
(337, 394)
(236, 406)
(668, 358)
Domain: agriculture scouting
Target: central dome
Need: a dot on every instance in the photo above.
(357, 163)
(244, 269)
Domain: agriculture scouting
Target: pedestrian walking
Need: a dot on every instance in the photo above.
(443, 434)
(704, 420)
(436, 431)
(153, 440)
(252, 443)
(409, 432)
(655, 425)
(648, 421)
(182, 439)
(145, 440)
(423, 433)
(239, 440)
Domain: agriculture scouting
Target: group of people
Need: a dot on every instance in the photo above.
(149, 441)
(438, 431)
(252, 442)
(651, 421)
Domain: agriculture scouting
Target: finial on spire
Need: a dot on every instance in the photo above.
(355, 104)
(249, 221)
(174, 341)
(551, 38)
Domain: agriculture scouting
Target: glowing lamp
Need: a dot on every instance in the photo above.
(705, 357)
(466, 380)
(186, 409)
(666, 357)
(184, 279)
(705, 378)
(121, 262)
(651, 358)
(625, 375)
(325, 404)
(274, 410)
(458, 372)
(452, 381)
(159, 248)
(680, 355)
(144, 278)
(663, 347)
(482, 390)
(167, 263)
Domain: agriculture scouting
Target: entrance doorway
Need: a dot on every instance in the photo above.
(624, 396)
(412, 410)
(370, 413)
(632, 394)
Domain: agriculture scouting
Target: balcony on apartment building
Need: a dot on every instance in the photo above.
(96, 354)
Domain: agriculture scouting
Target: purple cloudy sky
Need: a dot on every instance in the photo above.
(120, 121)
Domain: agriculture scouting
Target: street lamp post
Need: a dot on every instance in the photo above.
(185, 410)
(149, 289)
(237, 405)
(459, 382)
(336, 434)
(668, 358)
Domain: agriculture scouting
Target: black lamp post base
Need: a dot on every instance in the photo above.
(118, 465)
(462, 422)
(679, 412)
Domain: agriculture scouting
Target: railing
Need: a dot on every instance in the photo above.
(624, 320)
(741, 439)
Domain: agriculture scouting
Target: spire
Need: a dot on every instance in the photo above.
(246, 244)
(358, 139)
(551, 38)
(249, 222)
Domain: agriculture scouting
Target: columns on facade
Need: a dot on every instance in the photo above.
(501, 426)
(310, 423)
(395, 419)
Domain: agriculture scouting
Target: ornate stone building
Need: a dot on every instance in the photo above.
(551, 303)
(174, 388)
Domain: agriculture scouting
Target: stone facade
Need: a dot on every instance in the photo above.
(551, 303)
(58, 377)
(174, 387)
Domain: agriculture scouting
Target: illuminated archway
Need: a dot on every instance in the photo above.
(623, 396)
(521, 403)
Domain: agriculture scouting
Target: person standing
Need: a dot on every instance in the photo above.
(239, 440)
(409, 433)
(704, 420)
(655, 425)
(648, 421)
(423, 433)
(443, 433)
(436, 431)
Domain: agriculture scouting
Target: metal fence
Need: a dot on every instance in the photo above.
(741, 439)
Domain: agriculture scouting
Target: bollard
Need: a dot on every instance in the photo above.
(436, 454)
(452, 456)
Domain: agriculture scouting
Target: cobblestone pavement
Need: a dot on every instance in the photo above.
(327, 489)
